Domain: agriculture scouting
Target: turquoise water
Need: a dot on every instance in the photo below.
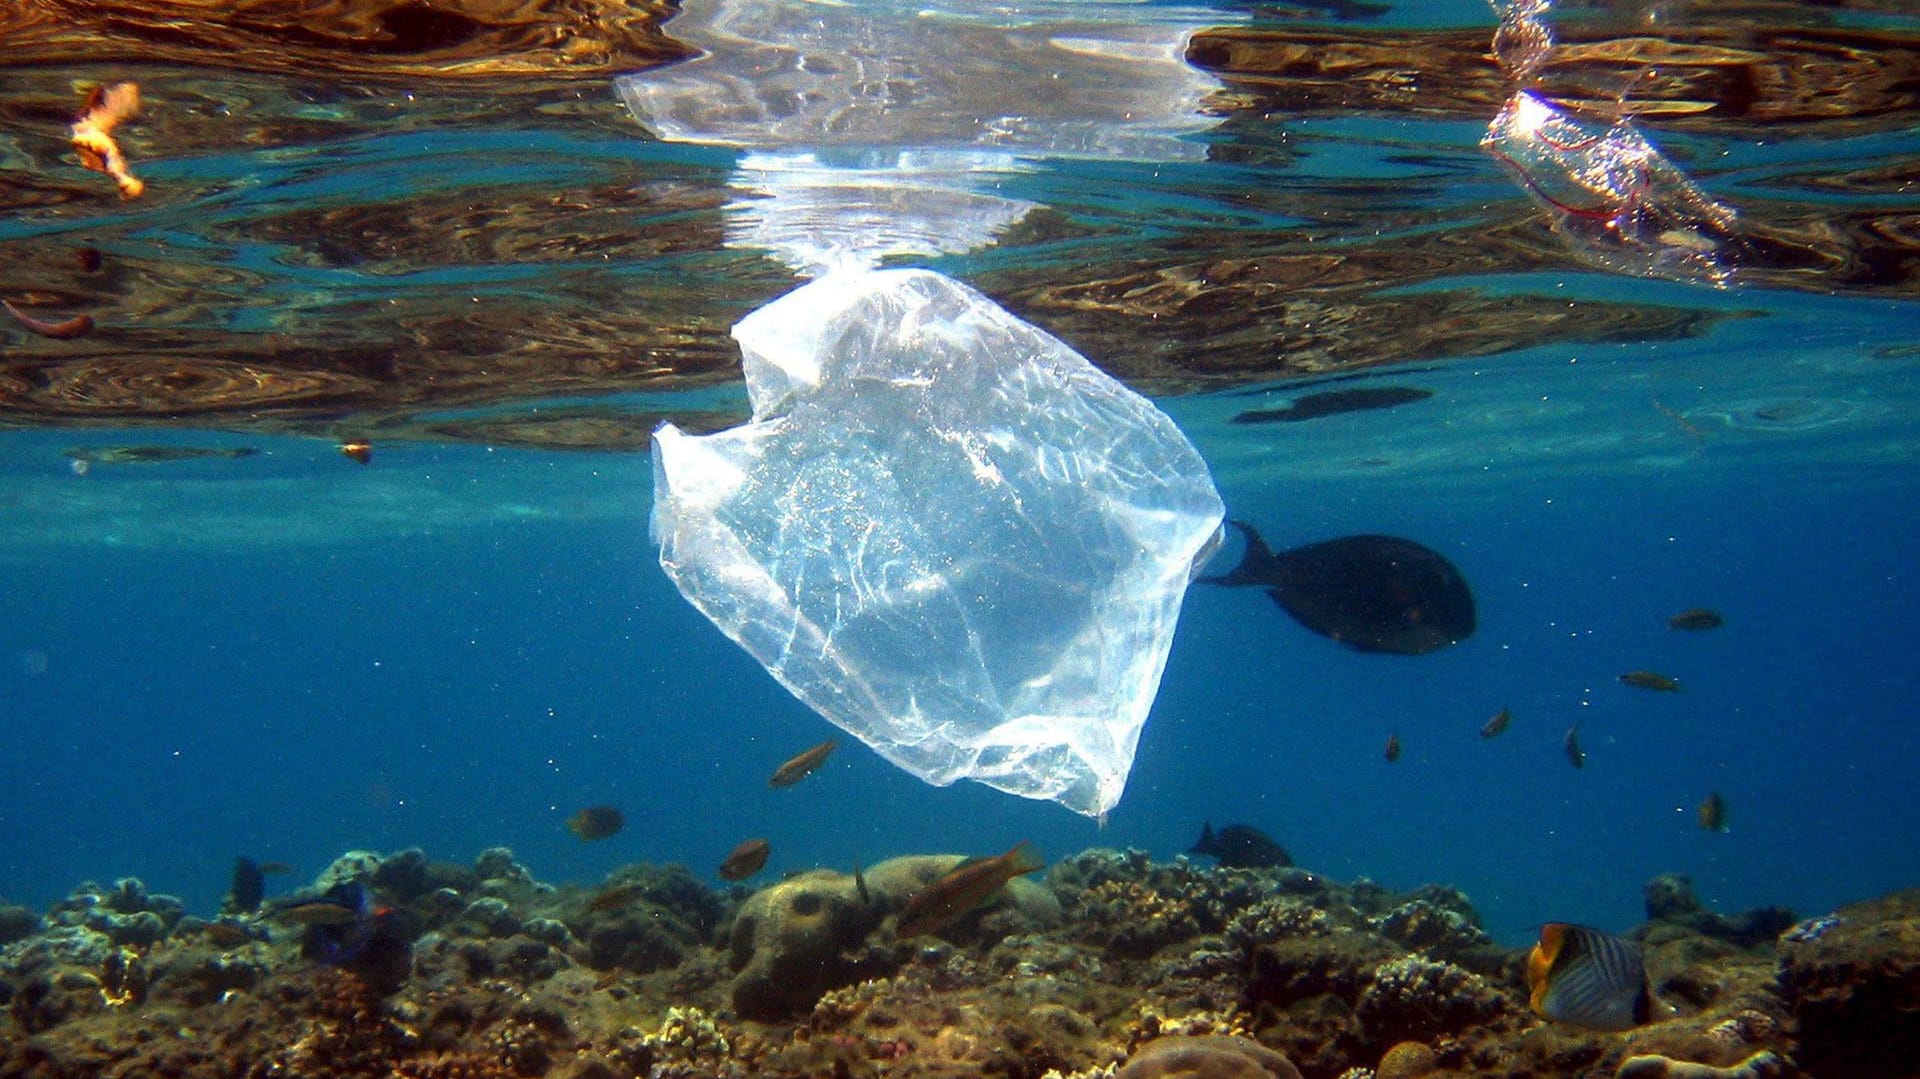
(287, 656)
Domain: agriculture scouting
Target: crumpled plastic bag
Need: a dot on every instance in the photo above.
(945, 531)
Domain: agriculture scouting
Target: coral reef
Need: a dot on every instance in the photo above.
(1213, 1056)
(1761, 1065)
(1112, 965)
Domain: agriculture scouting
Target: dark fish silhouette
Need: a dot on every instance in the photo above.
(1575, 755)
(1588, 978)
(1697, 618)
(153, 455)
(1712, 813)
(747, 859)
(1370, 593)
(802, 765)
(1650, 680)
(1496, 726)
(1393, 748)
(1240, 845)
(596, 822)
(249, 887)
(1313, 406)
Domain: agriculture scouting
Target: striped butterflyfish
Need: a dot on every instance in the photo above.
(1588, 978)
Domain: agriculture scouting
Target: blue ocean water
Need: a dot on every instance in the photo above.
(287, 656)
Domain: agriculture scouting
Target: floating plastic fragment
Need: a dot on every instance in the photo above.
(945, 531)
(1618, 201)
(879, 128)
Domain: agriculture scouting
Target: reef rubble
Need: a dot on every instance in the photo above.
(474, 971)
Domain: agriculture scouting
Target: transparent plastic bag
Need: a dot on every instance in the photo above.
(945, 531)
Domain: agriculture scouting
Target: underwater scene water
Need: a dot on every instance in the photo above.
(328, 531)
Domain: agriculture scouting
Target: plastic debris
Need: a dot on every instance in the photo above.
(945, 531)
(1618, 201)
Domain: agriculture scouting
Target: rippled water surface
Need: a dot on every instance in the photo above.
(437, 231)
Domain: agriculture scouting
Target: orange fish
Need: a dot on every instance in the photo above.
(92, 134)
(77, 326)
(746, 860)
(357, 451)
(1650, 680)
(799, 767)
(965, 887)
(596, 822)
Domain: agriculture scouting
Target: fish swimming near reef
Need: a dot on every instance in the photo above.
(1393, 748)
(1589, 978)
(1696, 618)
(1712, 812)
(747, 859)
(1495, 727)
(1650, 680)
(616, 897)
(1240, 845)
(596, 822)
(963, 888)
(1371, 593)
(802, 765)
(354, 930)
(1571, 745)
(249, 887)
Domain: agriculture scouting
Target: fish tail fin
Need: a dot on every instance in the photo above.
(1203, 845)
(1025, 858)
(1253, 561)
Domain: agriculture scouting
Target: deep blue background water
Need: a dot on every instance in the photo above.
(289, 656)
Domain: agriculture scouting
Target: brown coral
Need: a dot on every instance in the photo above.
(1762, 1065)
(1211, 1056)
(1406, 1060)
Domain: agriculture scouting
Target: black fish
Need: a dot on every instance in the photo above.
(249, 887)
(1240, 845)
(1313, 406)
(1370, 593)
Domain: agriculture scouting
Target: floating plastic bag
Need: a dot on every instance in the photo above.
(944, 530)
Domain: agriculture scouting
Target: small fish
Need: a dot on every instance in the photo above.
(1575, 755)
(964, 887)
(329, 909)
(1240, 845)
(747, 859)
(596, 822)
(248, 889)
(1496, 726)
(1650, 680)
(1712, 813)
(275, 868)
(92, 134)
(157, 455)
(614, 898)
(1588, 978)
(1393, 748)
(860, 886)
(77, 326)
(1697, 618)
(345, 925)
(798, 768)
(227, 935)
(358, 452)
